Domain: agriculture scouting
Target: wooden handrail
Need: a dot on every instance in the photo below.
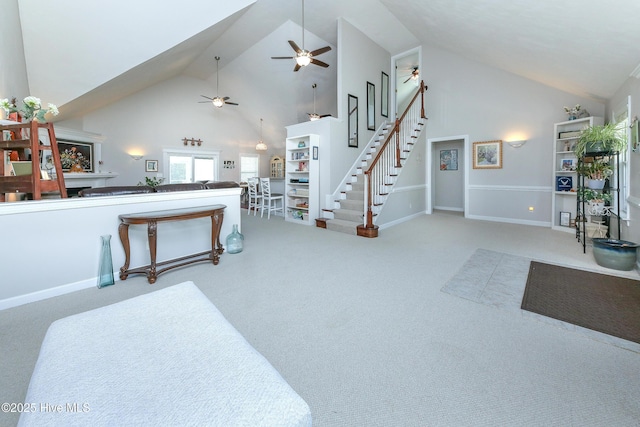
(389, 156)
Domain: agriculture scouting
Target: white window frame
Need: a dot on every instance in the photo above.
(622, 113)
(253, 155)
(213, 154)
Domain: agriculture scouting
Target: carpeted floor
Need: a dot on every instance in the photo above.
(601, 302)
(497, 279)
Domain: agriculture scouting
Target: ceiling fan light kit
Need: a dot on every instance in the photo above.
(304, 57)
(218, 101)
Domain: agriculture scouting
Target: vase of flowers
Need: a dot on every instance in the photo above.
(31, 109)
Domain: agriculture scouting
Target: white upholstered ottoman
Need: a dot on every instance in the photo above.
(167, 358)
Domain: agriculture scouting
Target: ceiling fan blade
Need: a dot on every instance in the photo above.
(320, 51)
(407, 79)
(295, 46)
(230, 103)
(320, 63)
(206, 97)
(283, 57)
(297, 67)
(225, 98)
(325, 115)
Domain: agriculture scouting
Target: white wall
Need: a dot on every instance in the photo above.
(159, 118)
(58, 241)
(360, 60)
(468, 98)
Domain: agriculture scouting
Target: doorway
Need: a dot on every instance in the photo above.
(403, 86)
(447, 173)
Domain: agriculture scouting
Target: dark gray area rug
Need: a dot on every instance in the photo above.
(600, 302)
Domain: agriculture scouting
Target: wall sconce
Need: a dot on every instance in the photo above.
(517, 144)
(136, 156)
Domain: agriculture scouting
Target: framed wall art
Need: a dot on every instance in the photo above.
(371, 106)
(635, 135)
(449, 160)
(75, 155)
(487, 154)
(352, 105)
(151, 166)
(384, 95)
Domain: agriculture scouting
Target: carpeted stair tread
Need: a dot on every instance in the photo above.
(348, 215)
(352, 204)
(355, 195)
(343, 226)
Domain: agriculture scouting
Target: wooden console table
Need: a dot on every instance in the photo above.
(216, 212)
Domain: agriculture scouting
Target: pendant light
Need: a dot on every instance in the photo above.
(261, 146)
(314, 116)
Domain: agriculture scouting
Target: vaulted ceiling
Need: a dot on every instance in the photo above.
(84, 55)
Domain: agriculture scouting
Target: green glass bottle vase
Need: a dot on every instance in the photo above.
(105, 273)
(235, 241)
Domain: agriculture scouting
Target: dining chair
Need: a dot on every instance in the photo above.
(255, 199)
(269, 199)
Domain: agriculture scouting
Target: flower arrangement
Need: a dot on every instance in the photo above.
(31, 108)
(71, 157)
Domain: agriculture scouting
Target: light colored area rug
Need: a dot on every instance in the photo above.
(499, 280)
(491, 278)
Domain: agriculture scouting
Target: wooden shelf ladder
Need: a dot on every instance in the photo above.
(22, 136)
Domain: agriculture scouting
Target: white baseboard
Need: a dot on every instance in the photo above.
(48, 293)
(447, 208)
(401, 220)
(511, 220)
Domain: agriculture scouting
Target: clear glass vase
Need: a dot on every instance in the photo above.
(105, 273)
(235, 241)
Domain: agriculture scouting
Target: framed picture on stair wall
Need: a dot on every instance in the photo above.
(371, 106)
(487, 154)
(352, 106)
(384, 95)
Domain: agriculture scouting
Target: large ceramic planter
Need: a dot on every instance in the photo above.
(596, 184)
(615, 254)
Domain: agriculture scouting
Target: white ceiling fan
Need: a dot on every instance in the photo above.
(304, 57)
(217, 100)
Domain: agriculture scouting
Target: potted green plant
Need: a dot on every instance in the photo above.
(596, 200)
(596, 172)
(607, 138)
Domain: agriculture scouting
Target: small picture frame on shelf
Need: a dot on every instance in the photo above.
(151, 166)
(564, 183)
(568, 165)
(565, 219)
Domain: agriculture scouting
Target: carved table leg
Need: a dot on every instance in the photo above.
(123, 232)
(216, 226)
(152, 232)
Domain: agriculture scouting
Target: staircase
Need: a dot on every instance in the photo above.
(365, 189)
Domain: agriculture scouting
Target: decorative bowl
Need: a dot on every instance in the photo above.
(615, 254)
